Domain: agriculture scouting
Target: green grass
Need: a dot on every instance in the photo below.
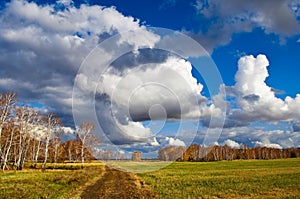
(61, 183)
(227, 179)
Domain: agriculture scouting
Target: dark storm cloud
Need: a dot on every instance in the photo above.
(171, 111)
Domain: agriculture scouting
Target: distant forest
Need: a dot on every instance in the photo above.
(217, 153)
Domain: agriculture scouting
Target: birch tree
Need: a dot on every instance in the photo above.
(7, 148)
(85, 135)
(26, 120)
(7, 101)
(56, 143)
(52, 125)
(35, 150)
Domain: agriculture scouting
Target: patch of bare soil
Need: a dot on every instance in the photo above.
(118, 184)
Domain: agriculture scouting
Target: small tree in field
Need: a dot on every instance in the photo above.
(87, 138)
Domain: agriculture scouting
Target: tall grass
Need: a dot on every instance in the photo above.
(234, 179)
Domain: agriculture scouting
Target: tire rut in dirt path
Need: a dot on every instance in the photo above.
(118, 184)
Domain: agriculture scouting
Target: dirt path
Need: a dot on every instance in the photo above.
(118, 184)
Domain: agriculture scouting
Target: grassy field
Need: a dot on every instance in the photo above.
(227, 179)
(64, 182)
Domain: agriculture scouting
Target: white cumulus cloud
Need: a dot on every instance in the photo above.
(231, 143)
(175, 142)
(257, 100)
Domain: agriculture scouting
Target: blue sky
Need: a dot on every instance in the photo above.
(47, 46)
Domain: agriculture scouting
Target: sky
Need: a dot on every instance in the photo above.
(157, 73)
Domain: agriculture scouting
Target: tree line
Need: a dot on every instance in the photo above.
(28, 136)
(197, 152)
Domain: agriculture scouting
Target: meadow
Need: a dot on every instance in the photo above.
(227, 179)
(223, 179)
